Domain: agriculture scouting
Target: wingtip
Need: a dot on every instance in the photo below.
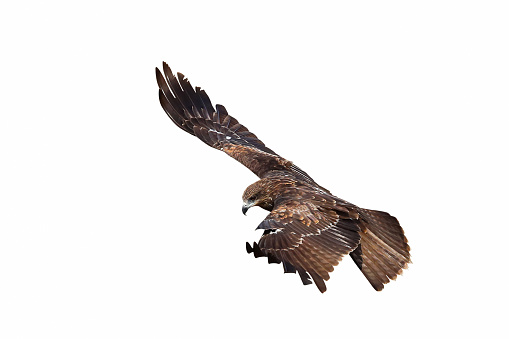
(257, 251)
(182, 79)
(159, 78)
(249, 249)
(167, 69)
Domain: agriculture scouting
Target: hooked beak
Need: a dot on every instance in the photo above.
(245, 208)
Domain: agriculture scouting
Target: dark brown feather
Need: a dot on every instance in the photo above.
(308, 233)
(191, 110)
(309, 230)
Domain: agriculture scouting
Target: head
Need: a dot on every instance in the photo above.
(261, 193)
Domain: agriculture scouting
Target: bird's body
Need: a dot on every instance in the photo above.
(308, 229)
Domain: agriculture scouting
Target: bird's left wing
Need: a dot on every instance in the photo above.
(309, 233)
(191, 110)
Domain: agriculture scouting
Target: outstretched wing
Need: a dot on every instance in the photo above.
(309, 233)
(191, 110)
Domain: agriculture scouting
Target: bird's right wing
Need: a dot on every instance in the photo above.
(309, 233)
(191, 110)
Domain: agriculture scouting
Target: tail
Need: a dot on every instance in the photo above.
(383, 251)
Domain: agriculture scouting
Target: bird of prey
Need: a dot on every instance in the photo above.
(308, 229)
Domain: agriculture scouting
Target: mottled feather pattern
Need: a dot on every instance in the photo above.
(308, 230)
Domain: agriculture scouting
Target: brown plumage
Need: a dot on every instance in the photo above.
(308, 229)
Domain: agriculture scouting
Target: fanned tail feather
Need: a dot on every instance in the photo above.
(383, 251)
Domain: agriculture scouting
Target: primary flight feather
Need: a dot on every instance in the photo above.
(308, 229)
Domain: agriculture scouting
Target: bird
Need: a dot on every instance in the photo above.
(308, 229)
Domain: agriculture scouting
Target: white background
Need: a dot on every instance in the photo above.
(116, 224)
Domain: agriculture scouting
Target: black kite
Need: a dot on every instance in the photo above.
(308, 228)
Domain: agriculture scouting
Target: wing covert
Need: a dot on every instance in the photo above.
(310, 235)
